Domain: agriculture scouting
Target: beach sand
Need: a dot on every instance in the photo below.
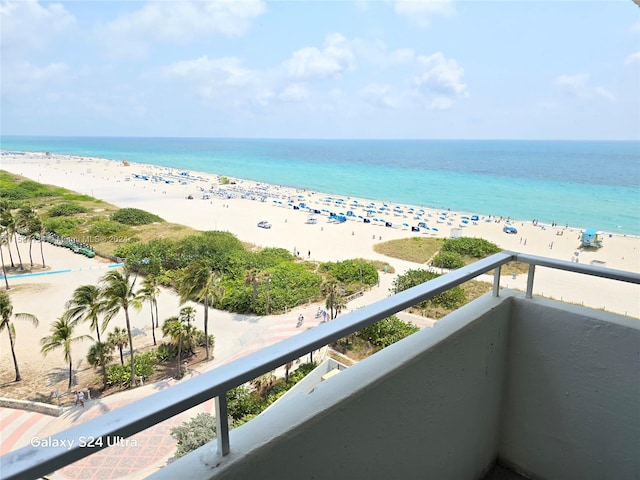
(115, 183)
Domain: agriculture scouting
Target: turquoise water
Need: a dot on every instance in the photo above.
(592, 184)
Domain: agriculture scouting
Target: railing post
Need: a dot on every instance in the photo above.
(222, 424)
(530, 275)
(496, 281)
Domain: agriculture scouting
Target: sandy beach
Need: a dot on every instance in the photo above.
(222, 207)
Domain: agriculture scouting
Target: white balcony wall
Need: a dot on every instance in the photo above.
(572, 395)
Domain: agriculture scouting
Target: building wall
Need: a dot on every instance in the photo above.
(572, 395)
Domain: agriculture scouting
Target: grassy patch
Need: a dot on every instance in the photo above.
(519, 268)
(84, 218)
(414, 249)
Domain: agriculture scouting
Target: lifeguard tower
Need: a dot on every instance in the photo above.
(591, 238)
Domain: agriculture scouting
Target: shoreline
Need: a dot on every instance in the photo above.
(193, 176)
(473, 202)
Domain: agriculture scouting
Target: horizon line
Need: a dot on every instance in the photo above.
(335, 138)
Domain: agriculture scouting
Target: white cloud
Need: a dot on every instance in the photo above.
(26, 24)
(309, 62)
(226, 71)
(23, 76)
(633, 58)
(577, 86)
(420, 12)
(181, 22)
(380, 95)
(604, 93)
(376, 53)
(294, 92)
(440, 82)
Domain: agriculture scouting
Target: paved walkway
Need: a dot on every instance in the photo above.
(154, 446)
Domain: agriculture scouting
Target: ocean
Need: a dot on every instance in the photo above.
(585, 184)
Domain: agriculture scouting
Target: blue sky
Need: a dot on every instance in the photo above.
(330, 69)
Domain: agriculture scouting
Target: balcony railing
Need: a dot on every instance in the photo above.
(31, 462)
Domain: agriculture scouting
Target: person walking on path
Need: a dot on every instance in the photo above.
(79, 398)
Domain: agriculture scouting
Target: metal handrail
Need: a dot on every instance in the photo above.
(34, 462)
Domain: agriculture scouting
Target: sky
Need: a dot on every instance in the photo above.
(446, 69)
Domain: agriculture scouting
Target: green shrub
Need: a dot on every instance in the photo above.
(145, 363)
(387, 331)
(61, 225)
(104, 228)
(194, 433)
(451, 299)
(134, 216)
(302, 371)
(78, 197)
(166, 351)
(119, 375)
(470, 247)
(66, 209)
(13, 192)
(449, 260)
(199, 340)
(352, 271)
(241, 402)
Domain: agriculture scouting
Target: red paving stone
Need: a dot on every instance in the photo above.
(129, 459)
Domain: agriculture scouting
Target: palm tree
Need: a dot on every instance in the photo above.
(26, 221)
(118, 294)
(267, 278)
(100, 354)
(40, 224)
(287, 368)
(252, 278)
(8, 223)
(263, 383)
(9, 220)
(118, 338)
(335, 300)
(6, 310)
(62, 337)
(3, 240)
(85, 305)
(181, 332)
(149, 292)
(201, 284)
(188, 315)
